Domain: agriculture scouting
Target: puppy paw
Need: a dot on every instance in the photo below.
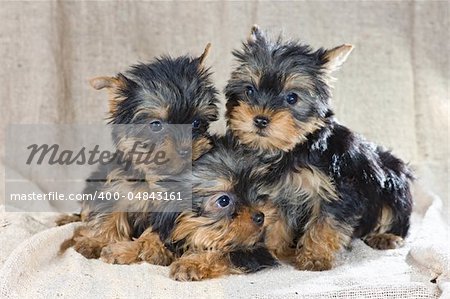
(156, 256)
(123, 253)
(384, 241)
(313, 264)
(90, 249)
(188, 270)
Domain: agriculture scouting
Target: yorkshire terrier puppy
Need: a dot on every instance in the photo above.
(145, 104)
(333, 184)
(221, 233)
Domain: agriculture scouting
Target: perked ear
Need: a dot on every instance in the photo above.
(113, 86)
(256, 34)
(107, 82)
(205, 53)
(337, 56)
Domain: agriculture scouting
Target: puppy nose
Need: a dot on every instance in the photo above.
(258, 218)
(261, 121)
(183, 152)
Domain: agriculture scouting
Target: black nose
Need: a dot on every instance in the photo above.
(258, 218)
(183, 152)
(261, 121)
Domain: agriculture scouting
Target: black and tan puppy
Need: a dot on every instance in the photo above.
(221, 233)
(334, 185)
(146, 105)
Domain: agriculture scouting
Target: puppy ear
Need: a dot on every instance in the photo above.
(205, 53)
(113, 85)
(335, 57)
(256, 34)
(108, 82)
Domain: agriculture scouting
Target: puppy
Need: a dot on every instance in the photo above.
(221, 233)
(333, 184)
(145, 104)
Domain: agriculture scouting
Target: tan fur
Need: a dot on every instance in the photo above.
(241, 122)
(115, 227)
(106, 228)
(204, 54)
(337, 56)
(147, 248)
(210, 240)
(90, 247)
(200, 146)
(379, 238)
(384, 222)
(161, 113)
(384, 241)
(113, 84)
(104, 82)
(298, 81)
(309, 127)
(202, 233)
(278, 235)
(311, 184)
(279, 240)
(89, 239)
(283, 132)
(202, 265)
(313, 187)
(319, 244)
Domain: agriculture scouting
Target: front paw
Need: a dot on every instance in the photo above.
(89, 248)
(384, 241)
(156, 254)
(308, 262)
(188, 270)
(123, 253)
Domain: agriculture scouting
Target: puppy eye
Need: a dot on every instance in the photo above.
(250, 90)
(291, 98)
(196, 123)
(223, 201)
(156, 126)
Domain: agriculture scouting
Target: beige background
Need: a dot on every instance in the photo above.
(393, 88)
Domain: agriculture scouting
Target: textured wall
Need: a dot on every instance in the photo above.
(393, 88)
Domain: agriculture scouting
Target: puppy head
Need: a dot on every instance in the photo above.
(230, 207)
(279, 92)
(164, 92)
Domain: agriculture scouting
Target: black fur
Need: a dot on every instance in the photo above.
(253, 260)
